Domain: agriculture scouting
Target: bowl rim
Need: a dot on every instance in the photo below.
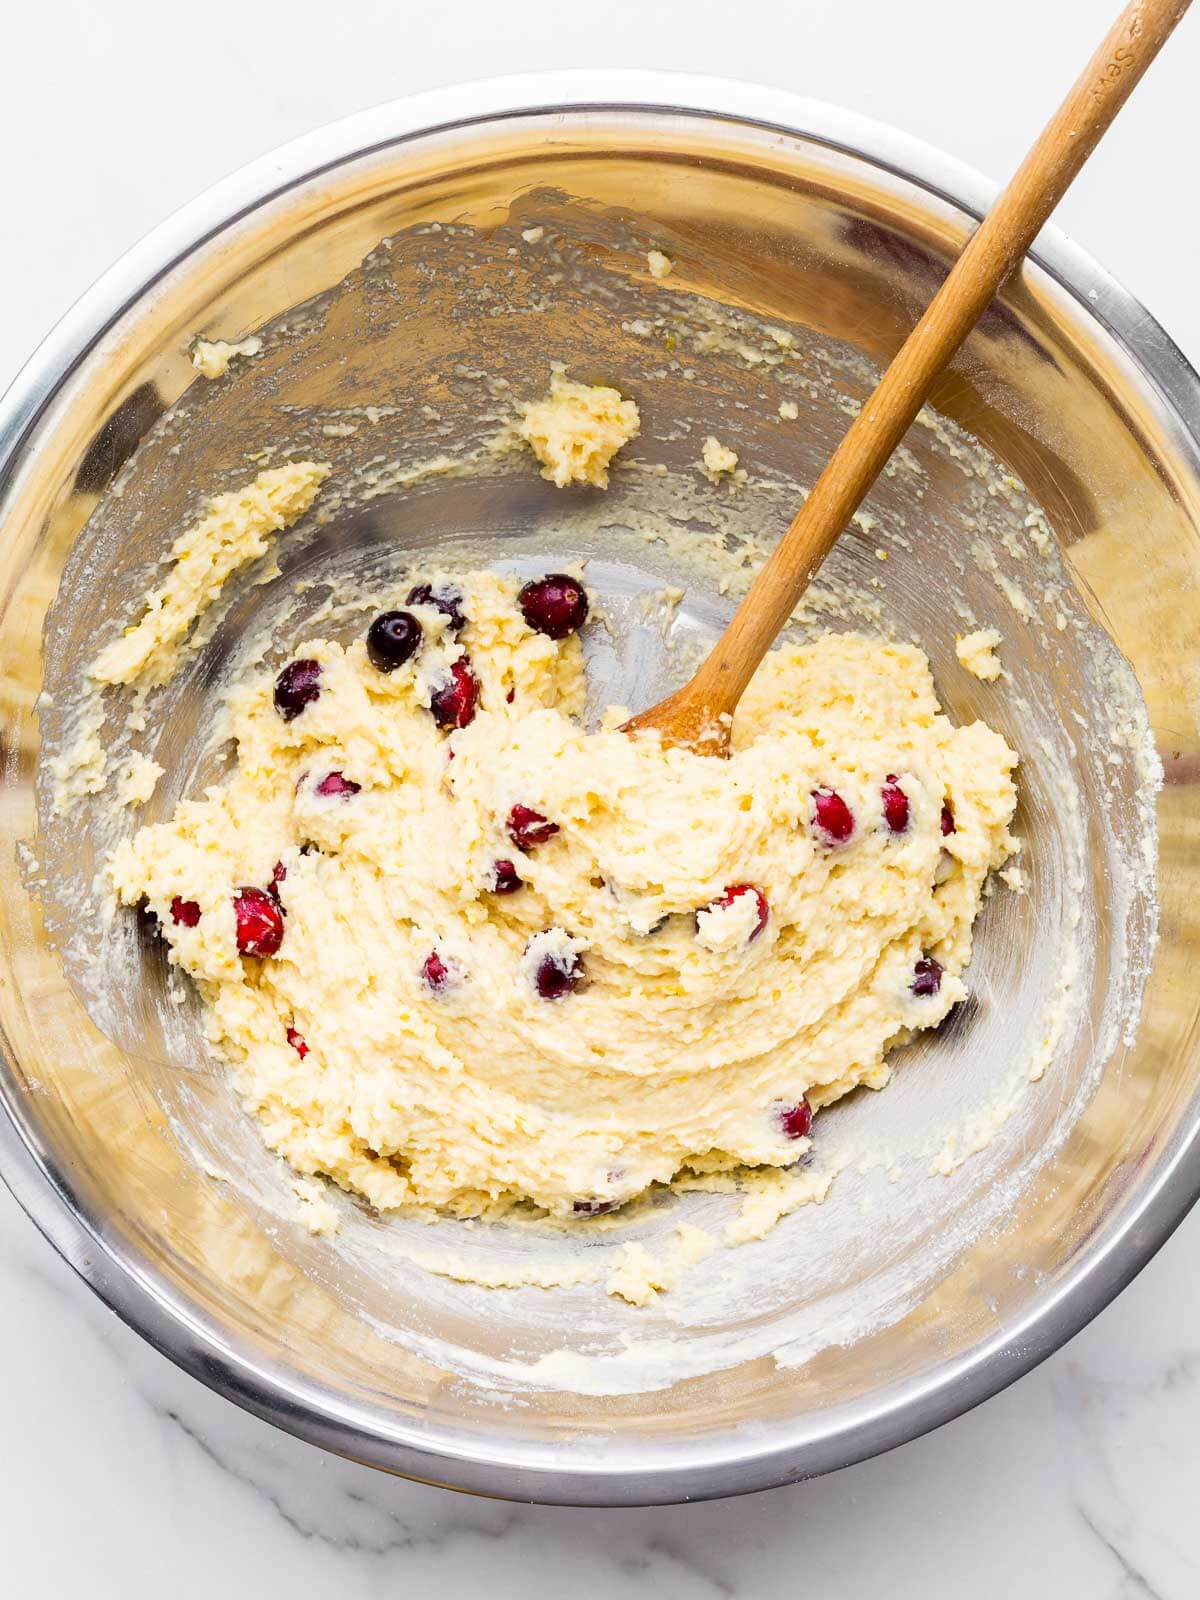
(720, 1463)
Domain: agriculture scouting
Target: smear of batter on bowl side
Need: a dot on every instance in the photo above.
(576, 430)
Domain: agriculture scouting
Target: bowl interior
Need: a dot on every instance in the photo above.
(406, 296)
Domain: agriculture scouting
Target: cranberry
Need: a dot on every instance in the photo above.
(445, 598)
(527, 827)
(297, 686)
(437, 973)
(833, 816)
(895, 804)
(392, 639)
(454, 702)
(555, 605)
(278, 874)
(594, 1208)
(297, 1043)
(259, 922)
(796, 1120)
(556, 976)
(735, 892)
(336, 783)
(927, 977)
(504, 878)
(185, 912)
(947, 819)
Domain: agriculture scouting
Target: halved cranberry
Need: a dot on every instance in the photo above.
(297, 1043)
(947, 819)
(436, 973)
(555, 605)
(445, 598)
(895, 804)
(594, 1208)
(528, 828)
(297, 686)
(927, 977)
(796, 1120)
(832, 815)
(185, 912)
(336, 783)
(735, 892)
(505, 878)
(455, 701)
(557, 975)
(392, 639)
(259, 922)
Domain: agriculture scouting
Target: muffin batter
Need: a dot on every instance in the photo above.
(462, 953)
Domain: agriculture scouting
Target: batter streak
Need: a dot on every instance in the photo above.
(461, 952)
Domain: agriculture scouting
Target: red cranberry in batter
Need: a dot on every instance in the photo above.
(435, 973)
(444, 597)
(259, 922)
(736, 891)
(927, 977)
(796, 1120)
(297, 686)
(456, 699)
(557, 975)
(528, 828)
(555, 605)
(505, 878)
(336, 783)
(833, 817)
(185, 912)
(895, 804)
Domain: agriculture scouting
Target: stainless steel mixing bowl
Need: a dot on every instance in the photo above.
(906, 1298)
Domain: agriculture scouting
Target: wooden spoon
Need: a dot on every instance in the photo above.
(699, 714)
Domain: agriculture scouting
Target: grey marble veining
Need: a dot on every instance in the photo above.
(134, 1480)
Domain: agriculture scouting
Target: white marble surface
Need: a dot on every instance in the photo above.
(124, 1478)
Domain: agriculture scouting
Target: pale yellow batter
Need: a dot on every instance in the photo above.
(698, 951)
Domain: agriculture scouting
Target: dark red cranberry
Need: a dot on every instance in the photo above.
(832, 815)
(555, 605)
(594, 1208)
(259, 922)
(927, 977)
(297, 1043)
(557, 976)
(297, 686)
(185, 912)
(504, 878)
(455, 701)
(895, 804)
(510, 697)
(392, 639)
(278, 874)
(528, 828)
(445, 598)
(436, 973)
(735, 892)
(947, 819)
(336, 783)
(796, 1120)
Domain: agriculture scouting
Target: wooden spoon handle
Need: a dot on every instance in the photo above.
(994, 250)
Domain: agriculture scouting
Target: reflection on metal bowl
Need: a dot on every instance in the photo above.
(805, 242)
